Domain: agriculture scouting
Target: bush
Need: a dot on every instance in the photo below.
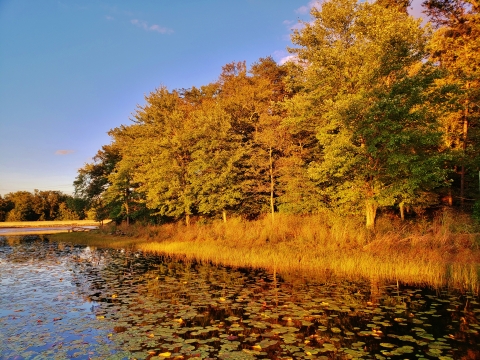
(476, 211)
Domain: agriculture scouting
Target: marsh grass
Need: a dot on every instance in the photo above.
(435, 252)
(96, 239)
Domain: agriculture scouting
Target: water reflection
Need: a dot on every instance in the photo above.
(101, 303)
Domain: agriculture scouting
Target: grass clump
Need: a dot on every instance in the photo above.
(437, 251)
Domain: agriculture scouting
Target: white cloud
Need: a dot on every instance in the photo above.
(108, 17)
(306, 8)
(297, 26)
(157, 28)
(64, 152)
(302, 10)
(282, 56)
(292, 58)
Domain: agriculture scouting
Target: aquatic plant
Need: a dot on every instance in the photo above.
(74, 301)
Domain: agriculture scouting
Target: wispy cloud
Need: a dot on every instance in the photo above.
(145, 26)
(64, 152)
(281, 57)
(297, 26)
(291, 58)
(306, 8)
(302, 10)
(292, 25)
(108, 17)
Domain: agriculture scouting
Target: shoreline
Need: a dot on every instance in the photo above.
(21, 228)
(295, 246)
(53, 223)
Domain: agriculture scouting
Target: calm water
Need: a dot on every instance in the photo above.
(36, 230)
(59, 301)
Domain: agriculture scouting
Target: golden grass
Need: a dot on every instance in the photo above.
(434, 253)
(53, 223)
(95, 239)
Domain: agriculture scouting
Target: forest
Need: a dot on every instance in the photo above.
(42, 206)
(374, 113)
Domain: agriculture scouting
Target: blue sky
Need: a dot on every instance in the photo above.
(70, 70)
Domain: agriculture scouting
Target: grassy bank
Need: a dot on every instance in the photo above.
(434, 252)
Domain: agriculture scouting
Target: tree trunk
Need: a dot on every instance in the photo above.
(187, 219)
(127, 211)
(127, 208)
(464, 146)
(402, 210)
(371, 207)
(272, 207)
(224, 215)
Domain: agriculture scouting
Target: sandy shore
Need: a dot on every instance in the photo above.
(44, 224)
(46, 227)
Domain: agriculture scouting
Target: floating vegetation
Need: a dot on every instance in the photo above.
(62, 301)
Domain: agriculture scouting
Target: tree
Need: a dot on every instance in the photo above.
(456, 47)
(23, 206)
(40, 206)
(400, 5)
(95, 178)
(46, 204)
(252, 98)
(78, 205)
(92, 179)
(216, 170)
(159, 147)
(365, 89)
(5, 207)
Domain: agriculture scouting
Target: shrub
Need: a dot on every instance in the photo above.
(476, 211)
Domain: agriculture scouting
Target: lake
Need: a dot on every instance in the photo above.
(59, 301)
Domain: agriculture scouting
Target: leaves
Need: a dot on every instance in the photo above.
(371, 111)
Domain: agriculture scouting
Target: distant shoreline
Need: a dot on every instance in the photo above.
(46, 224)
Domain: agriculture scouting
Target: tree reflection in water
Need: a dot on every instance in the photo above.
(144, 305)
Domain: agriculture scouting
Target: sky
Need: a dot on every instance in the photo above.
(71, 70)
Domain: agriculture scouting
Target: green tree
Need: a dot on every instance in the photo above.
(5, 207)
(46, 204)
(216, 170)
(252, 99)
(366, 91)
(23, 206)
(78, 205)
(159, 146)
(94, 180)
(456, 47)
(400, 5)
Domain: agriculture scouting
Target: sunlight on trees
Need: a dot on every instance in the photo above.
(377, 113)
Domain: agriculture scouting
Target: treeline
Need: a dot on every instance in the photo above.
(41, 205)
(375, 111)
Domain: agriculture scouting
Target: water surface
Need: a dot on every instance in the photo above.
(62, 301)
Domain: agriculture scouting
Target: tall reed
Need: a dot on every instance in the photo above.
(442, 250)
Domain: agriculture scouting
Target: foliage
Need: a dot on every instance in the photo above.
(5, 207)
(476, 211)
(39, 205)
(455, 46)
(376, 111)
(367, 92)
